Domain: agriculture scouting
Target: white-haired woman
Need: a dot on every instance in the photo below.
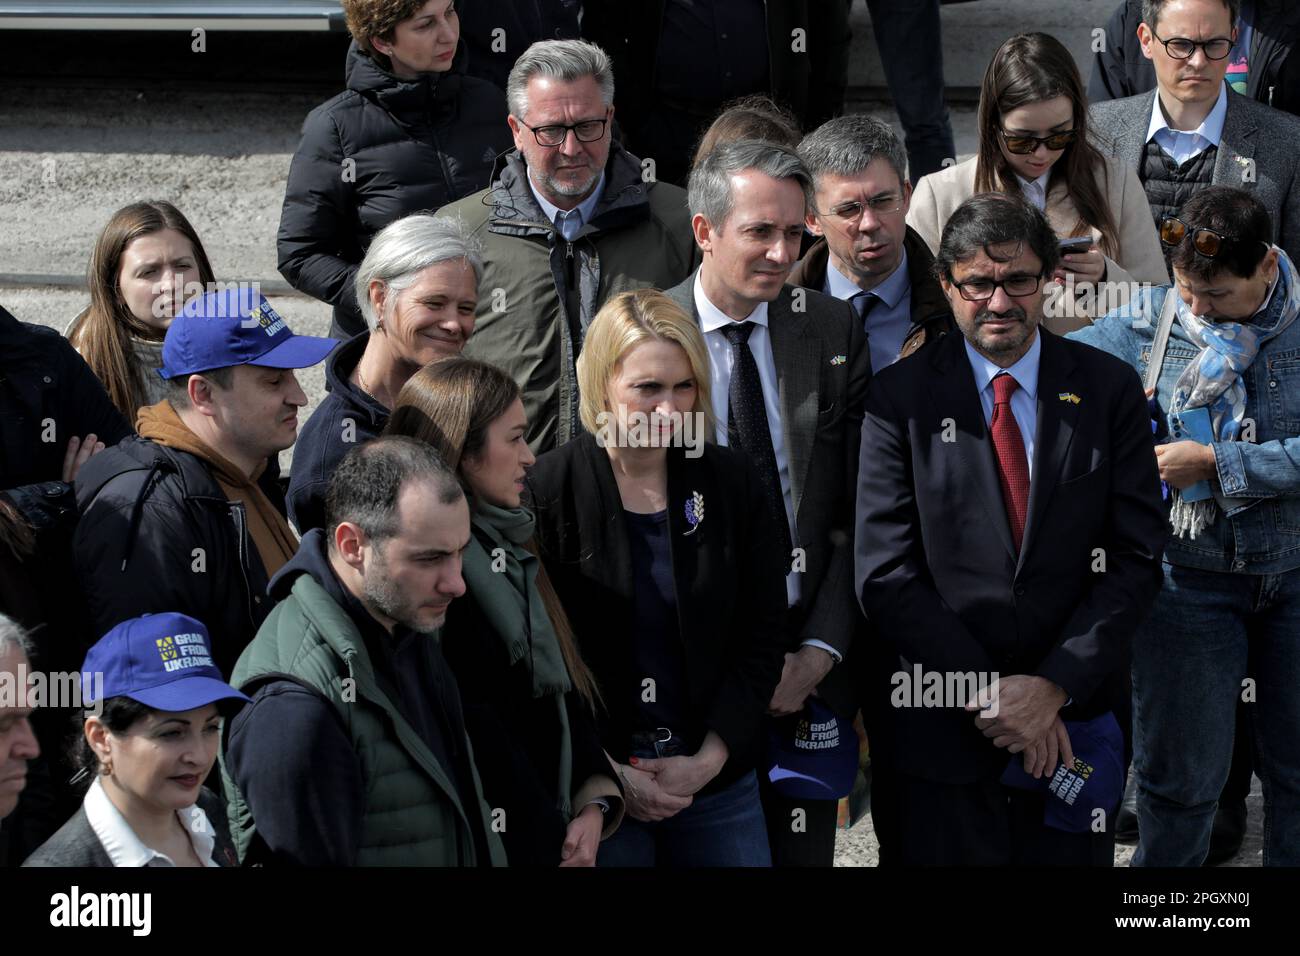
(417, 288)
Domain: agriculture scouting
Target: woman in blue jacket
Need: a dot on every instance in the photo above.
(1227, 392)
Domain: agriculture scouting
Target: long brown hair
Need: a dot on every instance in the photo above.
(450, 404)
(1031, 68)
(103, 332)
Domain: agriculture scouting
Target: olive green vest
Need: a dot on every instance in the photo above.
(413, 814)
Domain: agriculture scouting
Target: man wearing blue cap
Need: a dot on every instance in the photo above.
(176, 519)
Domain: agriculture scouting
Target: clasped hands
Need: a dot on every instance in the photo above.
(1023, 717)
(656, 788)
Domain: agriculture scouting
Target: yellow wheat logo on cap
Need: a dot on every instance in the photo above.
(1069, 397)
(166, 648)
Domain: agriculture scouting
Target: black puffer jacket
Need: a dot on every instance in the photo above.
(158, 534)
(380, 150)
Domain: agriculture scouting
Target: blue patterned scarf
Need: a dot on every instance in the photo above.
(1213, 380)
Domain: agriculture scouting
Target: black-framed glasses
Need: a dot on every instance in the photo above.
(1206, 242)
(1024, 145)
(588, 131)
(978, 290)
(880, 206)
(1181, 48)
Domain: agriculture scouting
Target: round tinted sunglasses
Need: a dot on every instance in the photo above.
(1205, 241)
(1024, 145)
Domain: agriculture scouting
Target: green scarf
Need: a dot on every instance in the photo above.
(501, 577)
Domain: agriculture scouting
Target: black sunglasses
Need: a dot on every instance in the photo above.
(1024, 145)
(1206, 242)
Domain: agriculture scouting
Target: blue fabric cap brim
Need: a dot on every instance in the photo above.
(187, 693)
(299, 351)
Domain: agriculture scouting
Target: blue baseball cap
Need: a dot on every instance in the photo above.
(235, 326)
(1095, 782)
(812, 755)
(163, 661)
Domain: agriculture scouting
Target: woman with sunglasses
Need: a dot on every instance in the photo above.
(1033, 139)
(1226, 390)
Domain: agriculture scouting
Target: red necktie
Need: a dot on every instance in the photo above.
(1009, 446)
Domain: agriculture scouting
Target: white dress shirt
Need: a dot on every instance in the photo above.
(1035, 190)
(712, 321)
(1024, 400)
(569, 221)
(1183, 145)
(122, 845)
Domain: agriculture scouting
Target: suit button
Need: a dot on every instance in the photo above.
(1020, 590)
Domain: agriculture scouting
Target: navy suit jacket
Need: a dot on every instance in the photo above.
(938, 574)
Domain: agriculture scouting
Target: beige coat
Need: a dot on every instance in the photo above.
(1140, 259)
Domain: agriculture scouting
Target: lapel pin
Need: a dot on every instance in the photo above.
(694, 511)
(1069, 397)
(839, 360)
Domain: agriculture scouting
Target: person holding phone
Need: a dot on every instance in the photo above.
(1034, 140)
(1227, 386)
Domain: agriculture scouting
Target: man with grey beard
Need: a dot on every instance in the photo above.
(1009, 524)
(353, 751)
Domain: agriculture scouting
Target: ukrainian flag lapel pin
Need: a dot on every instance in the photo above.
(839, 359)
(1069, 397)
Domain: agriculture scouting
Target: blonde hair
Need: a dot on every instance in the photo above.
(624, 322)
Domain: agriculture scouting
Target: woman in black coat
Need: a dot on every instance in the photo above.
(411, 133)
(673, 578)
(527, 696)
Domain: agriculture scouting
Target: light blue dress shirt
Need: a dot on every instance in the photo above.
(1183, 145)
(569, 221)
(1024, 400)
(888, 323)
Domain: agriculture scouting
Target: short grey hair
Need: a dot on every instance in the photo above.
(405, 248)
(12, 635)
(709, 191)
(565, 60)
(847, 145)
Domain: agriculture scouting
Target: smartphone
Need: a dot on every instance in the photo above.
(1076, 244)
(1193, 424)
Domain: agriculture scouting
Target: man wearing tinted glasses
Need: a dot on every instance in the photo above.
(997, 467)
(1193, 131)
(868, 255)
(570, 218)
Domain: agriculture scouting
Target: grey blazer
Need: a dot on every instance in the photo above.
(76, 844)
(823, 367)
(1259, 151)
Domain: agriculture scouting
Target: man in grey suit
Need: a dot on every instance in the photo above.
(789, 369)
(1192, 131)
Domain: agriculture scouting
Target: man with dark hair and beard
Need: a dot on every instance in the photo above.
(353, 751)
(1009, 533)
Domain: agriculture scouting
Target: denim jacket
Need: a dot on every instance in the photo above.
(1261, 533)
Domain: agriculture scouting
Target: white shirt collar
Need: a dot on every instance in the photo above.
(890, 291)
(1025, 371)
(1211, 128)
(122, 845)
(1035, 190)
(584, 209)
(712, 318)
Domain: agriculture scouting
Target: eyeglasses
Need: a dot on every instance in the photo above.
(1181, 48)
(1023, 145)
(588, 131)
(881, 205)
(978, 290)
(1205, 241)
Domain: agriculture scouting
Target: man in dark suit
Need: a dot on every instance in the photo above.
(789, 370)
(1009, 527)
